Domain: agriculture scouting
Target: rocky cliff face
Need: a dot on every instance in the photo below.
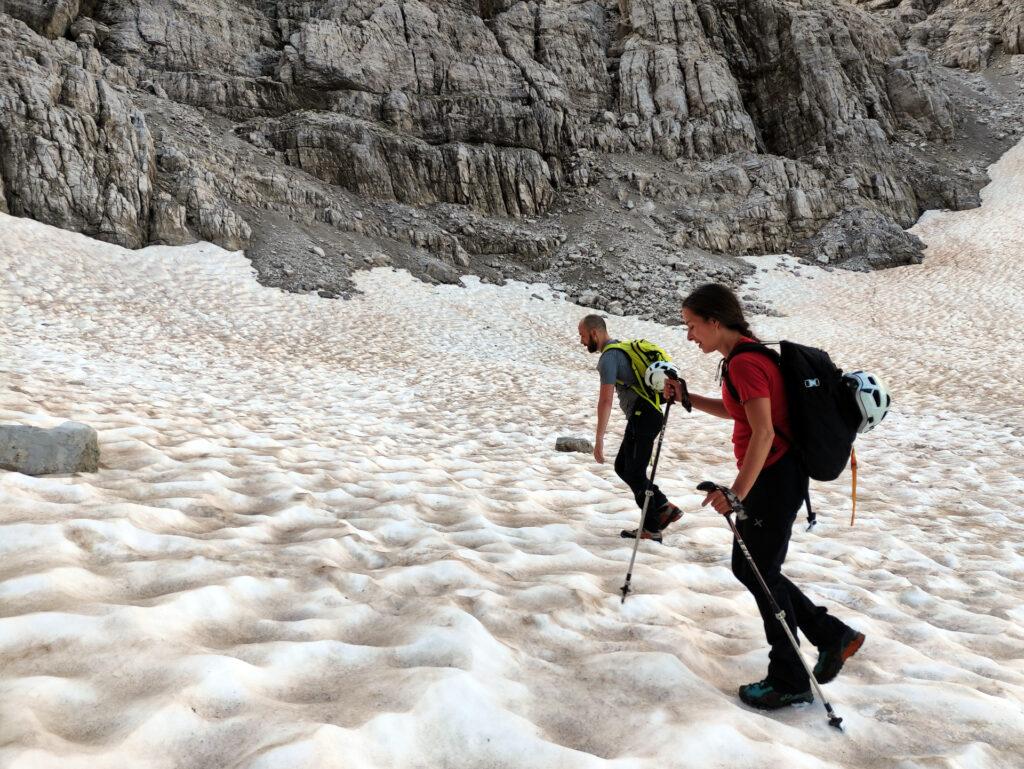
(584, 143)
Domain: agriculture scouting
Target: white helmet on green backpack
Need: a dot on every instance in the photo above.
(658, 372)
(872, 398)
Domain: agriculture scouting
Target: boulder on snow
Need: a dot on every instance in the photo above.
(582, 445)
(70, 448)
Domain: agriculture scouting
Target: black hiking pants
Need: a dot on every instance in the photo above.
(642, 430)
(772, 505)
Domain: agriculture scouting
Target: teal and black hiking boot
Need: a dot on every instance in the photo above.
(763, 695)
(830, 660)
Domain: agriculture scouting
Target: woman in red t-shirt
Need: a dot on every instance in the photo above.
(772, 486)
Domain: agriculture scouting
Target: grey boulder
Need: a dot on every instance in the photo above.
(582, 445)
(70, 448)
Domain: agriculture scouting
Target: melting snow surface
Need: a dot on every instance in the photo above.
(336, 534)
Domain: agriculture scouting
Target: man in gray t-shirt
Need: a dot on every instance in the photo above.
(615, 369)
(644, 421)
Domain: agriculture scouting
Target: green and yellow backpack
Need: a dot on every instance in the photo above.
(641, 355)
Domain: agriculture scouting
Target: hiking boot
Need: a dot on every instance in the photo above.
(764, 696)
(668, 513)
(830, 660)
(654, 536)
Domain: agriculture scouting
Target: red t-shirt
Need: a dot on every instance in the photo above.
(756, 376)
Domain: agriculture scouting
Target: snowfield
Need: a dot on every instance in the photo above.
(333, 534)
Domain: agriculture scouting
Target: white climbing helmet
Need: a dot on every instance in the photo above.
(872, 397)
(656, 373)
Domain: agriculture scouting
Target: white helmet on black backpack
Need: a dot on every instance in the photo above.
(872, 398)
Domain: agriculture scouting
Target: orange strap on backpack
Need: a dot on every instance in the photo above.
(853, 484)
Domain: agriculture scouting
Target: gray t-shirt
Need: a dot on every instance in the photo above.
(614, 368)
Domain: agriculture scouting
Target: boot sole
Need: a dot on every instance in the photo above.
(626, 534)
(804, 700)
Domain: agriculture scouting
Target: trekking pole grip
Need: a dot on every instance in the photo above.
(734, 502)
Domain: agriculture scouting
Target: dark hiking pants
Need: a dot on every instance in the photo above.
(635, 453)
(772, 505)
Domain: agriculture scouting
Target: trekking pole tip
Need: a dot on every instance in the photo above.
(836, 722)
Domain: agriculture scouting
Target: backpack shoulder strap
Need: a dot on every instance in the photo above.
(622, 347)
(739, 349)
(625, 348)
(761, 349)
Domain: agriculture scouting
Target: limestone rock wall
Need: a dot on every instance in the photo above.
(756, 122)
(74, 150)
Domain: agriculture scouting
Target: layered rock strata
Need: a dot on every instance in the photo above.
(506, 138)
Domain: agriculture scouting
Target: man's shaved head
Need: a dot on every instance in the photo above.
(593, 333)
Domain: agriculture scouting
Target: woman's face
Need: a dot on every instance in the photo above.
(704, 332)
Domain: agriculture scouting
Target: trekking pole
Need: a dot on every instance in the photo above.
(647, 500)
(780, 615)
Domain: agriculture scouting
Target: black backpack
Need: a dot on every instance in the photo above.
(823, 414)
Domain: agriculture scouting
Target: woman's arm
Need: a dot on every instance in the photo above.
(759, 414)
(713, 406)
